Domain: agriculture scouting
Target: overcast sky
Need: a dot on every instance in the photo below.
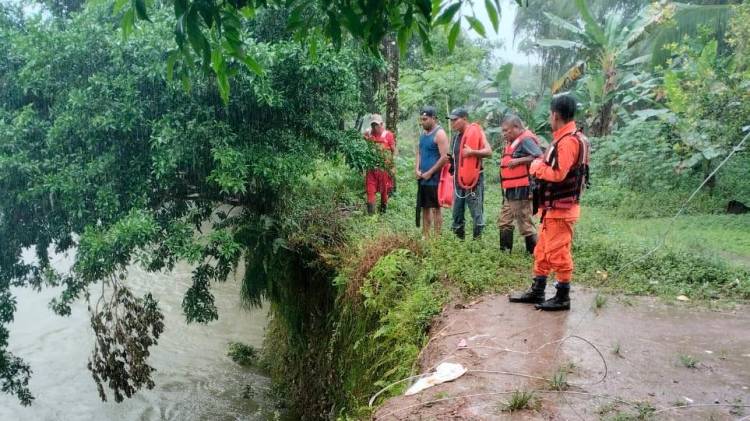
(509, 51)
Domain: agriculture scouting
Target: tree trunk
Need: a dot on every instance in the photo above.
(602, 124)
(391, 86)
(606, 114)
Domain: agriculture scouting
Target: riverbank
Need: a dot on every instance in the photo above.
(390, 286)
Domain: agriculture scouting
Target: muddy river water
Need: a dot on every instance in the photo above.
(195, 380)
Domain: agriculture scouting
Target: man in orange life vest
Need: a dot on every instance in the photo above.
(472, 198)
(379, 180)
(561, 177)
(521, 148)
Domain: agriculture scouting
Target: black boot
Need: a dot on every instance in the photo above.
(530, 243)
(460, 233)
(382, 208)
(370, 208)
(506, 240)
(535, 294)
(477, 232)
(561, 300)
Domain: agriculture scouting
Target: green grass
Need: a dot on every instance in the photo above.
(599, 302)
(559, 380)
(520, 400)
(687, 361)
(724, 236)
(642, 411)
(617, 349)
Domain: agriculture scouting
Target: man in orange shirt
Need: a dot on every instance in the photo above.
(379, 180)
(560, 177)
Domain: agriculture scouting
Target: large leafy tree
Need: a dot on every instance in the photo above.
(208, 34)
(613, 54)
(532, 24)
(100, 152)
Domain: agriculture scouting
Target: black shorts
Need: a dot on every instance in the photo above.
(427, 196)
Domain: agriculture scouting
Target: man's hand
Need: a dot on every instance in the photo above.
(513, 163)
(468, 151)
(426, 175)
(535, 164)
(419, 174)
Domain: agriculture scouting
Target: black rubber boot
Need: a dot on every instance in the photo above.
(561, 300)
(530, 243)
(506, 240)
(534, 295)
(370, 208)
(477, 233)
(382, 208)
(460, 233)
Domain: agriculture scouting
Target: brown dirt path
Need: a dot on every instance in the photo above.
(654, 340)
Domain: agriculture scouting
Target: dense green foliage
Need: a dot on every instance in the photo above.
(430, 79)
(99, 151)
(210, 35)
(668, 150)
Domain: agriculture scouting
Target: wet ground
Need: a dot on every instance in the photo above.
(645, 357)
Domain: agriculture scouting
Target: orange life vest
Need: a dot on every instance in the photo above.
(445, 187)
(567, 192)
(469, 168)
(517, 176)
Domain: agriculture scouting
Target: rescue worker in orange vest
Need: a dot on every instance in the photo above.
(379, 180)
(472, 198)
(560, 179)
(521, 148)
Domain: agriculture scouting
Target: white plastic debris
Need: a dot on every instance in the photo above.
(462, 343)
(682, 298)
(445, 372)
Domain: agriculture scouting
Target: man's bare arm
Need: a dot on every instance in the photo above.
(521, 161)
(416, 162)
(486, 150)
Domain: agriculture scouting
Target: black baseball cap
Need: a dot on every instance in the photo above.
(458, 113)
(428, 112)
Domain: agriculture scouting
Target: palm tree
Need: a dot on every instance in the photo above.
(531, 24)
(606, 52)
